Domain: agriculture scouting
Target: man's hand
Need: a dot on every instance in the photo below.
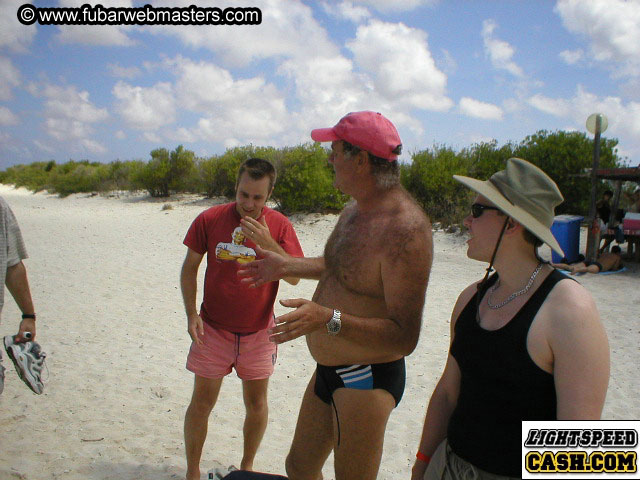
(26, 325)
(258, 232)
(196, 329)
(270, 268)
(307, 317)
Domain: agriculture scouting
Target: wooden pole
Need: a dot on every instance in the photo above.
(593, 235)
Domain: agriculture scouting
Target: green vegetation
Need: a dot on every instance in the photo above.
(305, 179)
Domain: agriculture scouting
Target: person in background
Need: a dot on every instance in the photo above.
(607, 262)
(22, 348)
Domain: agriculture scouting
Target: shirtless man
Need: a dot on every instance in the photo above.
(366, 312)
(606, 262)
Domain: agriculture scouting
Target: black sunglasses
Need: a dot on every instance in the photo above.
(478, 209)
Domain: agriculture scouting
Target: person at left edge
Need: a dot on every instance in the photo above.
(231, 328)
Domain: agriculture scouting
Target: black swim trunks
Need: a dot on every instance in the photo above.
(389, 376)
(597, 264)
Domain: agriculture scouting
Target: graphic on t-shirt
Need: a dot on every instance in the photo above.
(235, 251)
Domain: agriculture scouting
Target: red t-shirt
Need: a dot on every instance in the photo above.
(229, 304)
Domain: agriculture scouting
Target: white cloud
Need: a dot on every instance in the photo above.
(327, 87)
(288, 30)
(9, 78)
(7, 117)
(624, 119)
(93, 147)
(500, 52)
(477, 138)
(184, 135)
(512, 105)
(249, 109)
(44, 147)
(327, 84)
(478, 109)
(401, 65)
(347, 10)
(612, 28)
(552, 106)
(145, 108)
(449, 64)
(70, 116)
(102, 35)
(123, 72)
(571, 57)
(397, 5)
(152, 137)
(14, 36)
(120, 135)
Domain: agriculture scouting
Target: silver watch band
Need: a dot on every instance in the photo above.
(335, 323)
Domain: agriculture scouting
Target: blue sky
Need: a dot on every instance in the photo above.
(453, 72)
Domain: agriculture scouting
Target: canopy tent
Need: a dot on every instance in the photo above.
(618, 176)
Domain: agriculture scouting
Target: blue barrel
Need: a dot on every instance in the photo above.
(566, 230)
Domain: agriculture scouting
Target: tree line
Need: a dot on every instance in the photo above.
(305, 179)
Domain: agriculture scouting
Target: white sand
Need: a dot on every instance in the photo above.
(104, 275)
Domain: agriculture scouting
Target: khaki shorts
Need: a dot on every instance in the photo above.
(252, 355)
(446, 465)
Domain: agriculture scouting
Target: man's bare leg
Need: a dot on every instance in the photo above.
(363, 416)
(582, 268)
(196, 420)
(313, 439)
(254, 393)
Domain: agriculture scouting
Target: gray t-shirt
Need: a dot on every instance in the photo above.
(12, 249)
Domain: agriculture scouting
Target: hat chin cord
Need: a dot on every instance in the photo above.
(489, 268)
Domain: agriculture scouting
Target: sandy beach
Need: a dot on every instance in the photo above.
(104, 274)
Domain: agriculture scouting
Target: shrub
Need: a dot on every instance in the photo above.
(34, 176)
(121, 174)
(78, 177)
(305, 181)
(166, 171)
(154, 176)
(564, 156)
(429, 179)
(223, 179)
(218, 173)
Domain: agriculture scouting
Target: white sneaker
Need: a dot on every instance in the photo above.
(219, 473)
(28, 360)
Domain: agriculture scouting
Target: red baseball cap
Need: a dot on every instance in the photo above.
(370, 131)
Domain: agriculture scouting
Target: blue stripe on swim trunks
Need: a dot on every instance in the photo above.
(356, 376)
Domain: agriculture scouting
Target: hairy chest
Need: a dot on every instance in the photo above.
(354, 252)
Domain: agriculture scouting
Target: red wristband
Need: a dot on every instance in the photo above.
(425, 458)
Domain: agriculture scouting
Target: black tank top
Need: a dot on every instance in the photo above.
(500, 386)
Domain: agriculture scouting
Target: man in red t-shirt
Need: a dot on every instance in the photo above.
(231, 328)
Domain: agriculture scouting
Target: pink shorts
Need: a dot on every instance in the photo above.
(252, 355)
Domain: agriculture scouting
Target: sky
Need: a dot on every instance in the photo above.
(445, 72)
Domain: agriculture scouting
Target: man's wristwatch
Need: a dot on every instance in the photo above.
(334, 324)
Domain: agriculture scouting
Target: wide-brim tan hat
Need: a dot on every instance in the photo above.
(525, 193)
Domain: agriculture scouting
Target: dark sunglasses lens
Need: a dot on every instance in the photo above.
(476, 210)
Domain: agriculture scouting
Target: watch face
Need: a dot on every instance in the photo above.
(333, 326)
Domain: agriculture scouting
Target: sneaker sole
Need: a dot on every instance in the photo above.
(21, 363)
